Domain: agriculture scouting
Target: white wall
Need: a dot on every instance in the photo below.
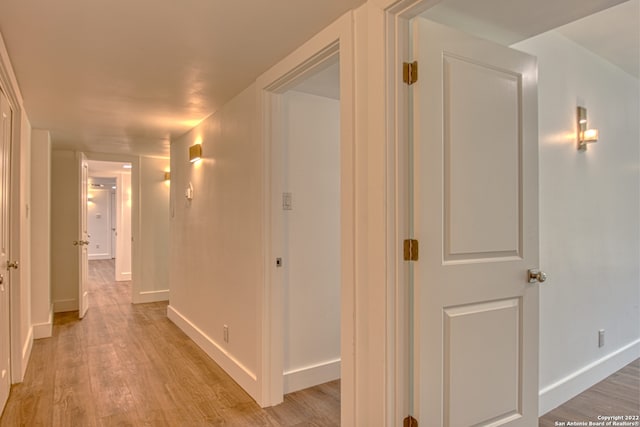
(311, 167)
(589, 218)
(65, 201)
(216, 243)
(41, 308)
(154, 230)
(99, 222)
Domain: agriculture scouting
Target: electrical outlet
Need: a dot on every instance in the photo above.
(225, 333)
(601, 338)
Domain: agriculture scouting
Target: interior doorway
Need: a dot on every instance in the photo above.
(102, 217)
(333, 47)
(109, 211)
(310, 212)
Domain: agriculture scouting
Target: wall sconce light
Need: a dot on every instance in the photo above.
(585, 135)
(195, 153)
(167, 176)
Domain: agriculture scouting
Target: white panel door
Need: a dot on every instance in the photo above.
(475, 217)
(83, 242)
(5, 188)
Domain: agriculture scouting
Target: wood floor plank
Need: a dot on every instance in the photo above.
(128, 365)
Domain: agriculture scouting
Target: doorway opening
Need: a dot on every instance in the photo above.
(109, 215)
(310, 214)
(309, 177)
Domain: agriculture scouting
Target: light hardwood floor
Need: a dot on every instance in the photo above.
(128, 365)
(619, 394)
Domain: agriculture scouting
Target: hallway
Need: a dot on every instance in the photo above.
(126, 364)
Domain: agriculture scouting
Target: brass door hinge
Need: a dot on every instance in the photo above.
(410, 422)
(410, 72)
(411, 250)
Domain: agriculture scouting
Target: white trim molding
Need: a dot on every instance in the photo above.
(64, 305)
(96, 257)
(240, 374)
(26, 354)
(309, 376)
(124, 276)
(44, 330)
(554, 395)
(151, 296)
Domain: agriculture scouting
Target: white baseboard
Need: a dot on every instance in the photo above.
(44, 330)
(309, 376)
(556, 394)
(151, 296)
(64, 305)
(96, 257)
(123, 277)
(240, 374)
(26, 353)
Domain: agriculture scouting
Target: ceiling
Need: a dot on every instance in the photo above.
(102, 169)
(608, 28)
(125, 76)
(613, 34)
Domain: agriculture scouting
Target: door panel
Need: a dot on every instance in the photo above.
(481, 342)
(83, 291)
(482, 182)
(6, 116)
(475, 216)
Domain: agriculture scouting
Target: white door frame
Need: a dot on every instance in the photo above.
(337, 39)
(19, 248)
(135, 215)
(113, 217)
(397, 15)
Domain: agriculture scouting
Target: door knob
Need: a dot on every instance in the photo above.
(536, 275)
(11, 265)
